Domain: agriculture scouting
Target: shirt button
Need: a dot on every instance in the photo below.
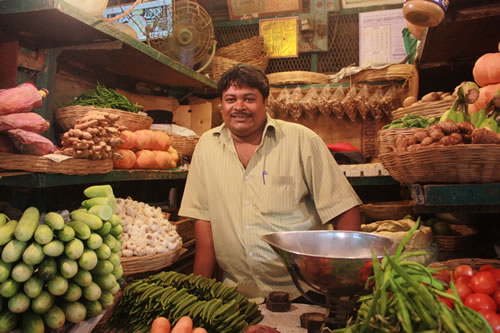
(247, 227)
(250, 253)
(245, 178)
(246, 202)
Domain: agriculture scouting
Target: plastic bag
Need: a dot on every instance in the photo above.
(374, 104)
(390, 101)
(280, 104)
(360, 101)
(309, 103)
(322, 101)
(294, 103)
(271, 106)
(335, 103)
(348, 103)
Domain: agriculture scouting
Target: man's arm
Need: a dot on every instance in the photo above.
(348, 220)
(204, 258)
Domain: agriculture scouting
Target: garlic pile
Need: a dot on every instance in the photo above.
(146, 231)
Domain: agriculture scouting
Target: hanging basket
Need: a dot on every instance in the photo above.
(244, 51)
(222, 64)
(67, 116)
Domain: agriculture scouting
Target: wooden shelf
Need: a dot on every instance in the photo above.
(87, 40)
(43, 180)
(457, 194)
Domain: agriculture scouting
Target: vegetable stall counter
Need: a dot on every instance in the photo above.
(289, 321)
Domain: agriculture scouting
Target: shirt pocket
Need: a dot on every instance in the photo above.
(277, 195)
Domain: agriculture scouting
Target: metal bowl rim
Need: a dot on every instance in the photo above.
(322, 231)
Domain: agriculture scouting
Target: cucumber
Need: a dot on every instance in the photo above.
(103, 252)
(19, 303)
(9, 288)
(88, 260)
(5, 269)
(103, 267)
(115, 220)
(109, 240)
(92, 292)
(32, 323)
(94, 242)
(33, 255)
(3, 219)
(68, 267)
(98, 191)
(117, 271)
(58, 285)
(27, 224)
(75, 312)
(21, 272)
(54, 318)
(116, 230)
(54, 220)
(66, 234)
(108, 201)
(82, 230)
(107, 299)
(47, 269)
(104, 212)
(83, 278)
(106, 228)
(93, 308)
(43, 302)
(116, 288)
(118, 247)
(7, 232)
(74, 249)
(13, 251)
(115, 259)
(54, 248)
(74, 292)
(33, 287)
(43, 234)
(93, 221)
(106, 282)
(8, 321)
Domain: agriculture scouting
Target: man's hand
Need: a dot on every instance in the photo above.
(184, 325)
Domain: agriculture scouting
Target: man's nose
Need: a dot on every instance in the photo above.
(240, 104)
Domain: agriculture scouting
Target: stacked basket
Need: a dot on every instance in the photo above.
(249, 51)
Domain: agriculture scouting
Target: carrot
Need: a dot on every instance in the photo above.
(160, 325)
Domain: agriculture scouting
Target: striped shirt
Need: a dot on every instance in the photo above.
(291, 183)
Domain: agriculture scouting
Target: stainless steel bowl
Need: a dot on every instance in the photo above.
(333, 263)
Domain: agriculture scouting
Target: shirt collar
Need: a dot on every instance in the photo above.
(224, 134)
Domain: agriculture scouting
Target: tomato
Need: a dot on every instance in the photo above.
(483, 282)
(496, 297)
(496, 272)
(492, 318)
(485, 267)
(463, 290)
(463, 270)
(443, 275)
(463, 279)
(479, 301)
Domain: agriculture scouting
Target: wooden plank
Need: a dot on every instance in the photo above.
(8, 63)
(182, 116)
(457, 194)
(201, 117)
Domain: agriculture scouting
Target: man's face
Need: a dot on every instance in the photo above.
(243, 110)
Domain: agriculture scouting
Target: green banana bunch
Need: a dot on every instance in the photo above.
(488, 115)
(467, 93)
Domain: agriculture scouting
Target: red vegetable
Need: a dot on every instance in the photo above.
(28, 121)
(462, 270)
(463, 290)
(23, 98)
(260, 329)
(483, 282)
(31, 143)
(479, 301)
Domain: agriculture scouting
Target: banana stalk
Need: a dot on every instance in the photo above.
(491, 112)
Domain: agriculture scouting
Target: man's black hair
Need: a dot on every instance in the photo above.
(244, 74)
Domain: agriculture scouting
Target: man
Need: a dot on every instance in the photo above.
(255, 175)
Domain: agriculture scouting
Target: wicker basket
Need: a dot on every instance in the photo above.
(391, 210)
(252, 49)
(475, 263)
(297, 78)
(67, 116)
(386, 137)
(461, 238)
(71, 166)
(183, 144)
(221, 64)
(427, 109)
(471, 163)
(134, 265)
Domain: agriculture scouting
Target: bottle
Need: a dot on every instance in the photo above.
(425, 13)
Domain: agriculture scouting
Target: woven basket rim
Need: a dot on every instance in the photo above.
(71, 166)
(474, 262)
(134, 265)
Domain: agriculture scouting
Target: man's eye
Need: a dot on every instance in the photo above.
(230, 100)
(250, 99)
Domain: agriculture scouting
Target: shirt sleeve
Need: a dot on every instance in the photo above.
(194, 203)
(330, 190)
